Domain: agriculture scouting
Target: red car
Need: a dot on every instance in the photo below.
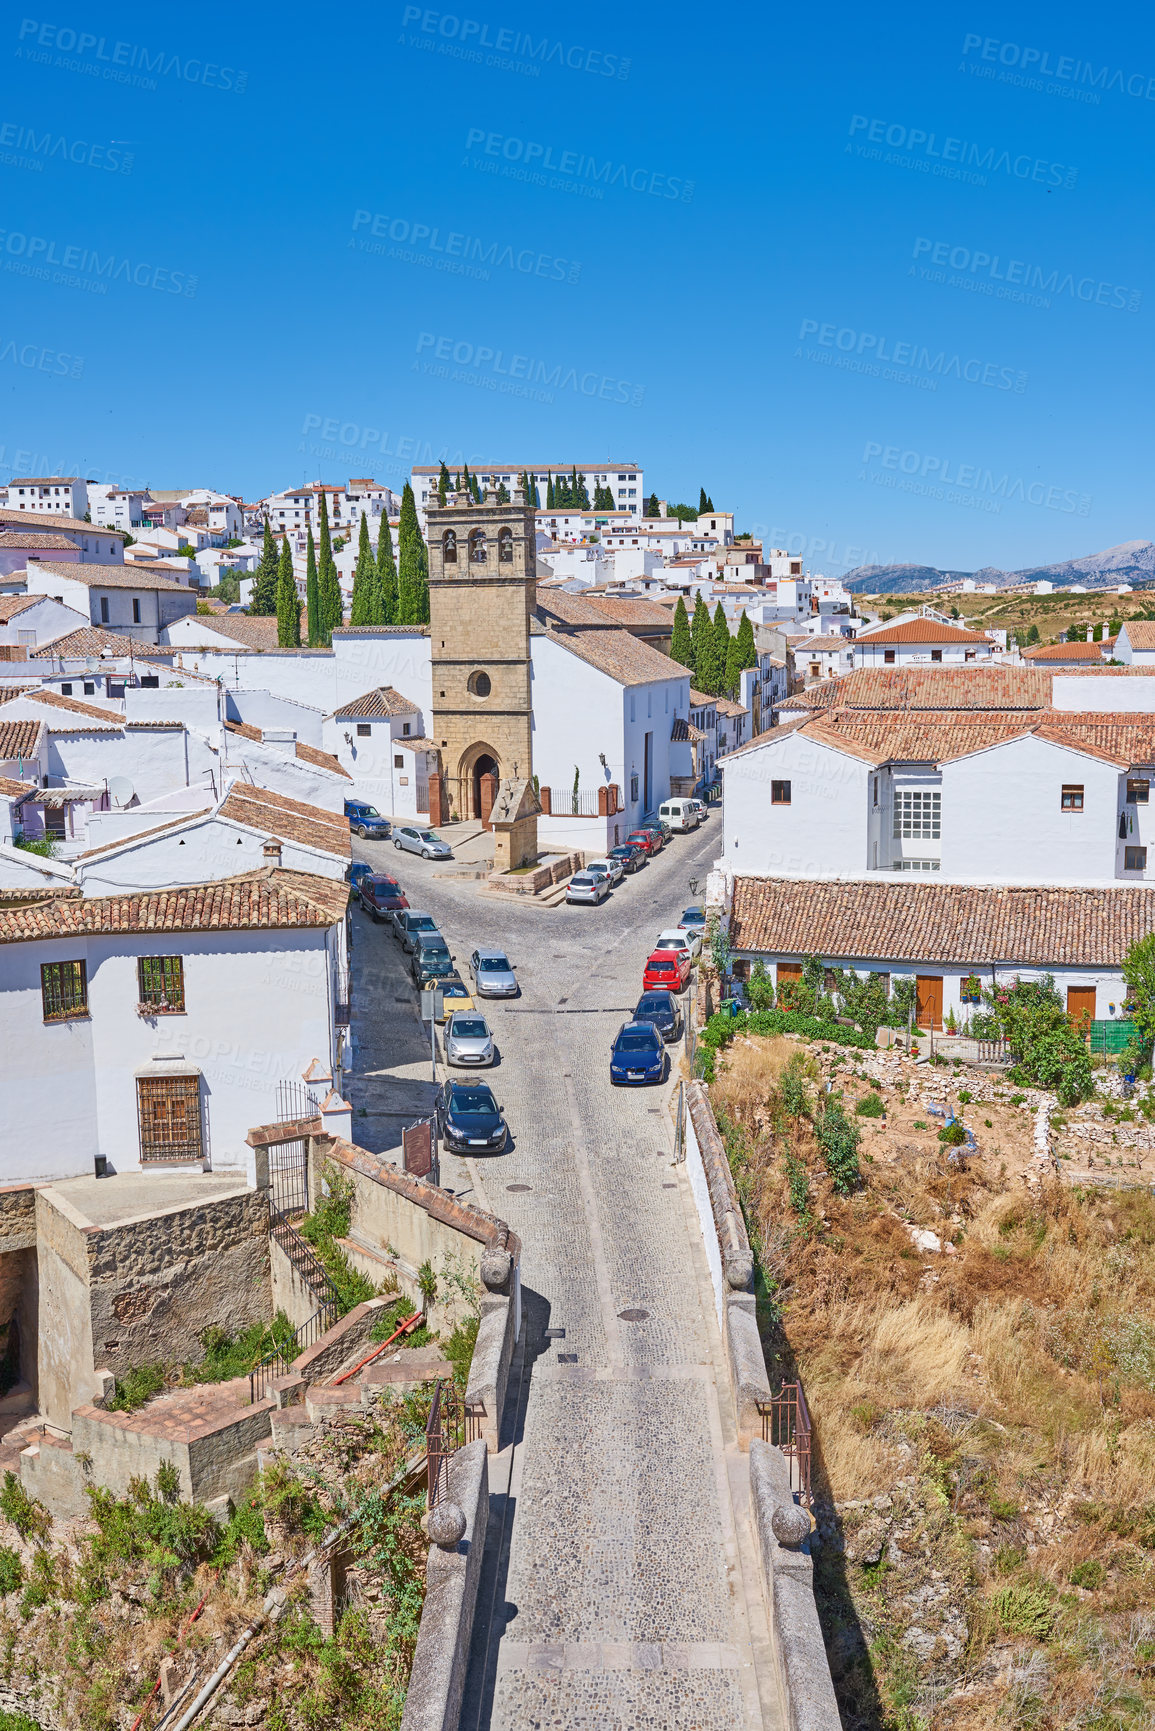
(645, 838)
(380, 896)
(667, 970)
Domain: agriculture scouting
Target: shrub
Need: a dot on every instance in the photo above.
(870, 1106)
(838, 1140)
(953, 1135)
(30, 1518)
(964, 1097)
(792, 1089)
(799, 1187)
(1025, 1610)
(1089, 1573)
(760, 988)
(11, 1569)
(1047, 1049)
(135, 1387)
(721, 1029)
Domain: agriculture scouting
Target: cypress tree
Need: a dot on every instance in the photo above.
(386, 589)
(442, 484)
(288, 601)
(457, 482)
(502, 494)
(362, 607)
(681, 646)
(550, 494)
(412, 565)
(701, 635)
(330, 609)
(265, 586)
(744, 638)
(703, 502)
(312, 595)
(721, 657)
(653, 509)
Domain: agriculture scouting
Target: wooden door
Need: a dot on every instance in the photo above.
(929, 1011)
(789, 971)
(1081, 1007)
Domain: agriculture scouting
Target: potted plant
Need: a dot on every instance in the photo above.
(970, 989)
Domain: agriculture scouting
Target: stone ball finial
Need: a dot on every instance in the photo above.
(495, 1266)
(446, 1525)
(790, 1524)
(739, 1273)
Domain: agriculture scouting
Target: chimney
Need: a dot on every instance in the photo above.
(1090, 634)
(272, 851)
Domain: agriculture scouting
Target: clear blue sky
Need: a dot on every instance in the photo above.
(368, 212)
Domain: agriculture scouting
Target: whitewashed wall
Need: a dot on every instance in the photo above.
(821, 833)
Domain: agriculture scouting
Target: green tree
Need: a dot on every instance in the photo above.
(550, 492)
(1048, 1050)
(681, 643)
(312, 595)
(732, 681)
(502, 493)
(719, 652)
(581, 496)
(288, 601)
(412, 565)
(330, 607)
(265, 584)
(705, 503)
(443, 484)
(363, 606)
(653, 508)
(386, 601)
(744, 637)
(1033, 634)
(701, 640)
(1139, 973)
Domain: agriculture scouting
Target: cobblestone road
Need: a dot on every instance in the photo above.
(620, 1589)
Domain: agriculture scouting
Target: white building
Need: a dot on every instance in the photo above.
(117, 507)
(379, 740)
(156, 1027)
(138, 601)
(625, 481)
(31, 620)
(94, 545)
(915, 642)
(1135, 644)
(49, 495)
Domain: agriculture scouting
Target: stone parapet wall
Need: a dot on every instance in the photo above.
(437, 1681)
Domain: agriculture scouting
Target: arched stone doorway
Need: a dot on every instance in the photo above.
(477, 783)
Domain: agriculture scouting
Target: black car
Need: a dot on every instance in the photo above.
(469, 1119)
(661, 1010)
(431, 961)
(633, 858)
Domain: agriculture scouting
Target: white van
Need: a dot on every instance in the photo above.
(679, 814)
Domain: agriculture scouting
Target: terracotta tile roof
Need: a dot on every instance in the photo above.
(380, 630)
(628, 611)
(574, 610)
(20, 739)
(825, 645)
(1140, 633)
(10, 605)
(1070, 652)
(312, 826)
(34, 539)
(1002, 686)
(269, 900)
(10, 788)
(418, 744)
(306, 753)
(87, 640)
(701, 699)
(727, 706)
(680, 730)
(140, 836)
(10, 518)
(924, 631)
(377, 704)
(111, 576)
(972, 925)
(626, 659)
(73, 706)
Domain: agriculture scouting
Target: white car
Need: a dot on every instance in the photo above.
(676, 938)
(588, 888)
(609, 868)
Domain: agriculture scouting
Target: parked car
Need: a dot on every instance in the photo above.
(667, 969)
(366, 820)
(658, 827)
(646, 839)
(494, 975)
(455, 995)
(680, 814)
(612, 868)
(703, 809)
(632, 855)
(358, 870)
(426, 842)
(468, 1039)
(409, 925)
(469, 1119)
(589, 888)
(381, 897)
(676, 938)
(694, 920)
(660, 1009)
(431, 961)
(638, 1055)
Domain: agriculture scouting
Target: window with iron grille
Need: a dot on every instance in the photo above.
(161, 982)
(169, 1114)
(64, 990)
(917, 815)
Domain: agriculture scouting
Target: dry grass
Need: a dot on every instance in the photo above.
(1002, 1396)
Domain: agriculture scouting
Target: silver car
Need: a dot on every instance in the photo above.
(493, 974)
(426, 842)
(608, 868)
(468, 1039)
(589, 888)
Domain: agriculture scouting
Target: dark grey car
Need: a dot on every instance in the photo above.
(408, 926)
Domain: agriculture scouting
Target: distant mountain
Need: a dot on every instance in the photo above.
(1131, 562)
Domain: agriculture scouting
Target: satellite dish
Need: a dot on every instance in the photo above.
(120, 791)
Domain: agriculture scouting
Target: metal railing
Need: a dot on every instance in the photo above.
(786, 1424)
(295, 1101)
(450, 1426)
(304, 1261)
(279, 1360)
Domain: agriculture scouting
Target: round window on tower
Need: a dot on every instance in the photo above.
(479, 684)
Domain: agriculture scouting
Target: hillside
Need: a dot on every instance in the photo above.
(1131, 562)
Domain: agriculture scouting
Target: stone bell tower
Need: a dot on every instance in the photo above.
(482, 593)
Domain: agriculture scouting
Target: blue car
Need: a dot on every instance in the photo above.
(358, 870)
(638, 1055)
(366, 820)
